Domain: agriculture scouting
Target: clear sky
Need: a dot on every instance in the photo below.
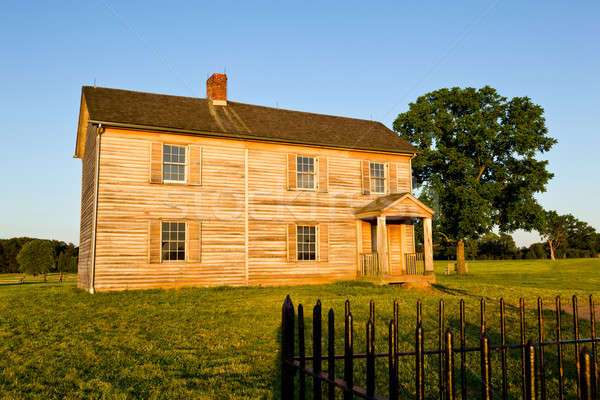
(358, 59)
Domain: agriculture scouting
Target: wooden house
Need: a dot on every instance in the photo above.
(180, 191)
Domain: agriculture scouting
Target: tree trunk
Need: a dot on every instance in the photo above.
(461, 264)
(44, 274)
(552, 257)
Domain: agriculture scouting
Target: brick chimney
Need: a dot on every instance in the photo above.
(216, 89)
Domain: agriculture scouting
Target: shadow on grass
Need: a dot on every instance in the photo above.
(24, 283)
(451, 291)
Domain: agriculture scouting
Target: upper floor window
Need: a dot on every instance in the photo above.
(306, 237)
(173, 163)
(173, 241)
(305, 172)
(377, 175)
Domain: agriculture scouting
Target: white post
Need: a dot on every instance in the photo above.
(428, 246)
(382, 247)
(359, 248)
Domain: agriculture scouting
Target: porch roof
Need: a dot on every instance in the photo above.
(395, 204)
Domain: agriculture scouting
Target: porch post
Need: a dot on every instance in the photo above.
(428, 246)
(382, 248)
(359, 248)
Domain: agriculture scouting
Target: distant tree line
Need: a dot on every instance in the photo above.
(65, 255)
(565, 237)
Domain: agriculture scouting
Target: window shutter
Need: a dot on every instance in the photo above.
(292, 246)
(154, 241)
(194, 244)
(323, 175)
(393, 177)
(366, 177)
(156, 163)
(323, 242)
(291, 171)
(195, 164)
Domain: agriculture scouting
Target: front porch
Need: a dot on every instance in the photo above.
(385, 240)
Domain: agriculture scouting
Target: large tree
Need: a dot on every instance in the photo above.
(36, 257)
(479, 152)
(565, 232)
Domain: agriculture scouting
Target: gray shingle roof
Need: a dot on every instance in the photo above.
(239, 120)
(380, 203)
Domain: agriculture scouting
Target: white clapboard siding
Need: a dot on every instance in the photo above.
(128, 203)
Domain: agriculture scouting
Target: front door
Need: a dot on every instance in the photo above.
(395, 249)
(373, 237)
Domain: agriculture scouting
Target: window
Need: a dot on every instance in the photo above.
(173, 163)
(377, 175)
(307, 243)
(305, 172)
(173, 241)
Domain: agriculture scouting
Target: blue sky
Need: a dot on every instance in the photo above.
(359, 59)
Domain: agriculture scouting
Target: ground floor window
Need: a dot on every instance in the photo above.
(173, 241)
(307, 242)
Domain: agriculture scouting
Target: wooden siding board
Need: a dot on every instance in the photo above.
(88, 198)
(127, 202)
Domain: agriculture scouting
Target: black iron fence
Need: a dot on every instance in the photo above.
(297, 367)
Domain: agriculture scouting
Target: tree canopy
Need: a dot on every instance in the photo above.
(565, 232)
(67, 254)
(36, 257)
(479, 152)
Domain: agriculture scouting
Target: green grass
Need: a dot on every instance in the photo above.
(59, 342)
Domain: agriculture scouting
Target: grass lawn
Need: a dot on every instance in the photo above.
(59, 342)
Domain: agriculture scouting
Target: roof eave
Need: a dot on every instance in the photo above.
(80, 125)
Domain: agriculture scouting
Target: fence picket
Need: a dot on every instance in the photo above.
(576, 337)
(529, 371)
(523, 353)
(317, 390)
(441, 348)
(348, 357)
(482, 315)
(287, 348)
(542, 366)
(594, 353)
(463, 355)
(370, 347)
(559, 349)
(302, 353)
(396, 317)
(586, 383)
(393, 359)
(504, 355)
(372, 310)
(331, 352)
(419, 360)
(484, 353)
(449, 365)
